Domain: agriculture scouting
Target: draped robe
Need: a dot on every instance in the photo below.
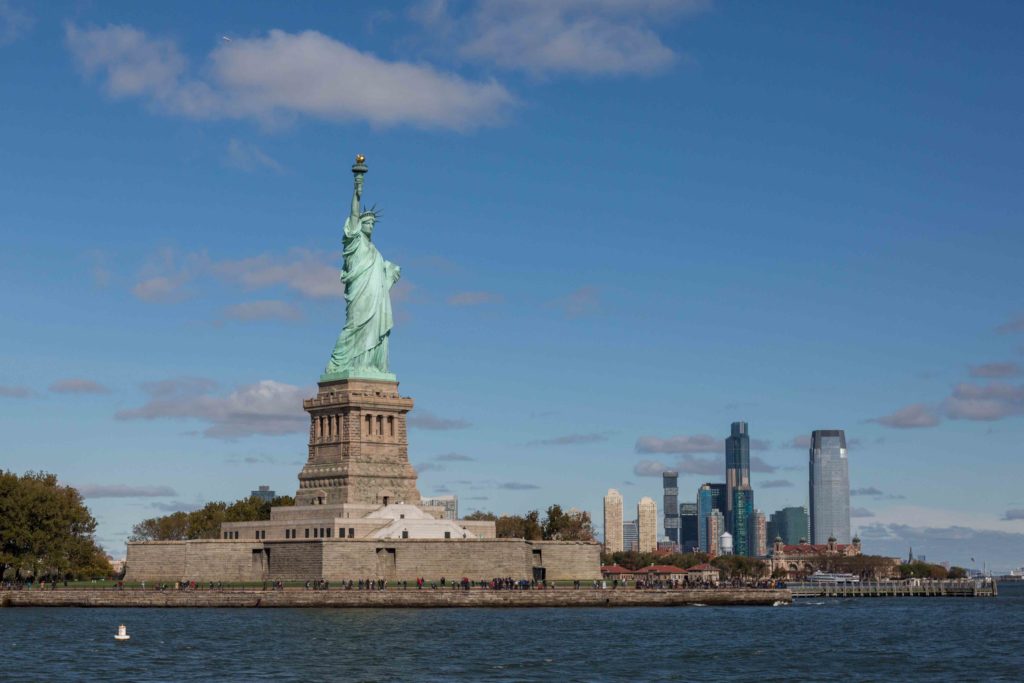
(363, 344)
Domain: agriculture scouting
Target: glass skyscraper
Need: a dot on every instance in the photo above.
(710, 497)
(630, 536)
(689, 537)
(829, 486)
(670, 482)
(742, 521)
(790, 524)
(737, 474)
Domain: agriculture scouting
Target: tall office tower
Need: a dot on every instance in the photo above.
(710, 497)
(263, 493)
(830, 486)
(742, 518)
(737, 470)
(760, 528)
(689, 536)
(714, 526)
(449, 503)
(613, 522)
(670, 483)
(647, 525)
(790, 524)
(630, 536)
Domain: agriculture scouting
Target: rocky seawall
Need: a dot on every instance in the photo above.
(392, 598)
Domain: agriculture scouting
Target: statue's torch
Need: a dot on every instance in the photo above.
(359, 168)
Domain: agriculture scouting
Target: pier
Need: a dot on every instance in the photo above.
(897, 589)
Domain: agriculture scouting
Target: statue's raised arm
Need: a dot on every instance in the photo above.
(352, 225)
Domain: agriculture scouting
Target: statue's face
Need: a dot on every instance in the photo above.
(368, 225)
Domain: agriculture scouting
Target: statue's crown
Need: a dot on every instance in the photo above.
(370, 212)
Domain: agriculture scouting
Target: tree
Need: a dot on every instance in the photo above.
(738, 566)
(922, 570)
(206, 521)
(631, 559)
(526, 526)
(567, 526)
(956, 573)
(481, 516)
(46, 530)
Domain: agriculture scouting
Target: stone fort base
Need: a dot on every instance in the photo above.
(354, 559)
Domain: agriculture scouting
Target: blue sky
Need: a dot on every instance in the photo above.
(621, 226)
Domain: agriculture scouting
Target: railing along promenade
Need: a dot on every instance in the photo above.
(238, 596)
(897, 589)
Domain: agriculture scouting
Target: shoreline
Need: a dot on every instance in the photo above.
(394, 598)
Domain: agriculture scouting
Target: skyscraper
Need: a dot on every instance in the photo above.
(449, 503)
(689, 535)
(630, 535)
(263, 493)
(829, 486)
(670, 483)
(710, 497)
(714, 527)
(647, 525)
(759, 546)
(613, 522)
(742, 518)
(790, 524)
(737, 473)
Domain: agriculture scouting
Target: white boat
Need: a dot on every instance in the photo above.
(122, 633)
(826, 577)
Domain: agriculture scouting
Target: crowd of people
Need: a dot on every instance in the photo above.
(420, 583)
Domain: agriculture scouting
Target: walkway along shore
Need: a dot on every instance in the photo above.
(392, 598)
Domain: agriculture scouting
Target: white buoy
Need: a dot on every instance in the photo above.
(122, 633)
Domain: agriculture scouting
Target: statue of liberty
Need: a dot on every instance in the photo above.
(362, 348)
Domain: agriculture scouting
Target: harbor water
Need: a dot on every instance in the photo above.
(865, 639)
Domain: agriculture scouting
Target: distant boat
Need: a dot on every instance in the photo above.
(122, 633)
(826, 577)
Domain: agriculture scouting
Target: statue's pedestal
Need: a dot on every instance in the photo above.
(358, 445)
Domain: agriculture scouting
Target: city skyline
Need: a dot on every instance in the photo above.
(171, 272)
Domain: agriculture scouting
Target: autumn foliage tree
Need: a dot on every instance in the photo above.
(46, 530)
(205, 522)
(557, 525)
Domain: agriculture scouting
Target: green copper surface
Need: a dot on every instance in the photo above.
(362, 347)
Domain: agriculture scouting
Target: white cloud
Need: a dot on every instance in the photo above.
(571, 439)
(169, 276)
(911, 417)
(9, 391)
(580, 302)
(266, 407)
(699, 443)
(991, 402)
(124, 491)
(77, 385)
(473, 298)
(267, 309)
(165, 278)
(579, 37)
(426, 420)
(14, 22)
(1012, 325)
(310, 273)
(281, 76)
(995, 370)
(246, 156)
